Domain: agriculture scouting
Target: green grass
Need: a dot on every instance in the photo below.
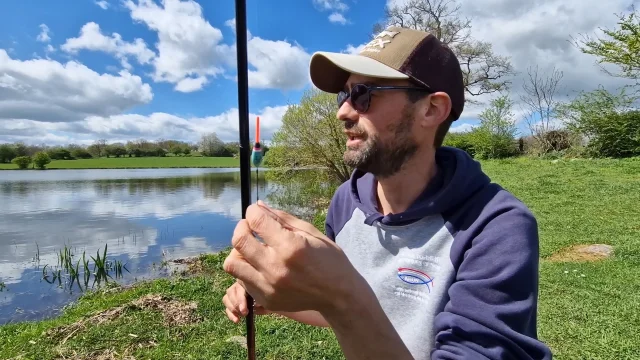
(139, 163)
(595, 316)
(586, 310)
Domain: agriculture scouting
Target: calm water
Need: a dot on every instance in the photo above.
(145, 217)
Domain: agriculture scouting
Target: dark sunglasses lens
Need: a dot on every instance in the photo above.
(360, 97)
(342, 97)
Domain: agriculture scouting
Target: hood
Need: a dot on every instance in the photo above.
(458, 177)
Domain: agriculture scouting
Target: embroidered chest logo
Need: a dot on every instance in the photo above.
(415, 277)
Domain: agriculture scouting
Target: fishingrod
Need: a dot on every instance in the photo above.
(243, 125)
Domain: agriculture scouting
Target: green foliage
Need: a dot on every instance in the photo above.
(22, 161)
(462, 141)
(622, 47)
(607, 120)
(305, 193)
(495, 137)
(7, 153)
(41, 160)
(311, 136)
(80, 153)
(59, 153)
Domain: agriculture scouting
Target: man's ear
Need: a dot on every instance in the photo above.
(436, 109)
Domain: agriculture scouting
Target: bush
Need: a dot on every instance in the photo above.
(462, 141)
(22, 161)
(607, 120)
(81, 154)
(41, 160)
(558, 140)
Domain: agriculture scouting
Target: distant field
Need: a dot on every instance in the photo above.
(142, 162)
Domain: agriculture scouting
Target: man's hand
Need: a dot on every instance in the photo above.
(235, 302)
(236, 307)
(296, 268)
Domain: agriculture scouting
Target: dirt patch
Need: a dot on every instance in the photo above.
(98, 355)
(579, 253)
(175, 313)
(187, 266)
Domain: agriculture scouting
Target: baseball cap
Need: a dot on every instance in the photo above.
(395, 53)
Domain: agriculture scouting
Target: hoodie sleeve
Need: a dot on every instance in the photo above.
(492, 309)
(340, 209)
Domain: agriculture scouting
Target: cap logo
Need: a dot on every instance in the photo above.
(378, 42)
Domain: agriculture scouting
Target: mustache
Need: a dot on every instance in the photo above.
(351, 129)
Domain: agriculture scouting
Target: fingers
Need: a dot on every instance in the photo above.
(246, 244)
(237, 266)
(235, 302)
(266, 226)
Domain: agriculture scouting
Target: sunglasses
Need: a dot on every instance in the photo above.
(360, 95)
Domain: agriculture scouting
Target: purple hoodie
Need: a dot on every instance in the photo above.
(457, 273)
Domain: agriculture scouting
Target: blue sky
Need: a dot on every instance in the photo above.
(74, 72)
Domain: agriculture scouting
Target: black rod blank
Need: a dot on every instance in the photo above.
(245, 146)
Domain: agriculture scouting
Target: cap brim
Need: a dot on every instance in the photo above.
(330, 71)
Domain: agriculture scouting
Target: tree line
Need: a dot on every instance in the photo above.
(23, 155)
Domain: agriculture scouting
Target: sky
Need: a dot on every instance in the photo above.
(122, 70)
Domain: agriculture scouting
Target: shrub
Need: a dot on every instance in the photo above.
(41, 160)
(22, 161)
(607, 121)
(461, 141)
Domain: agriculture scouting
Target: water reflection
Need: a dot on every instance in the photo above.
(145, 217)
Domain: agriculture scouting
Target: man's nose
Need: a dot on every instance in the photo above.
(346, 112)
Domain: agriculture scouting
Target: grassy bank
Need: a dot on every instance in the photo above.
(139, 163)
(588, 310)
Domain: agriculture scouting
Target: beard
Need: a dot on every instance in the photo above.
(384, 158)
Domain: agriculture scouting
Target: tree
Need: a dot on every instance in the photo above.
(41, 160)
(7, 153)
(210, 144)
(495, 137)
(541, 104)
(311, 136)
(483, 71)
(621, 47)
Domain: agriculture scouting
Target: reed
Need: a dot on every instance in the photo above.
(80, 272)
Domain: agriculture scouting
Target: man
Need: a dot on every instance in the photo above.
(424, 257)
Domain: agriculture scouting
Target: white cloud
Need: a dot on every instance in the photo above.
(124, 127)
(539, 33)
(103, 4)
(462, 128)
(277, 64)
(49, 91)
(350, 49)
(188, 46)
(191, 51)
(44, 34)
(337, 8)
(91, 38)
(337, 18)
(336, 5)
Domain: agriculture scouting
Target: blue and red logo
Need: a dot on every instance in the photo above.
(415, 277)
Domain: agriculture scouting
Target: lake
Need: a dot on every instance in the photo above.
(145, 217)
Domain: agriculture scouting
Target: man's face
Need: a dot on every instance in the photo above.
(381, 140)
